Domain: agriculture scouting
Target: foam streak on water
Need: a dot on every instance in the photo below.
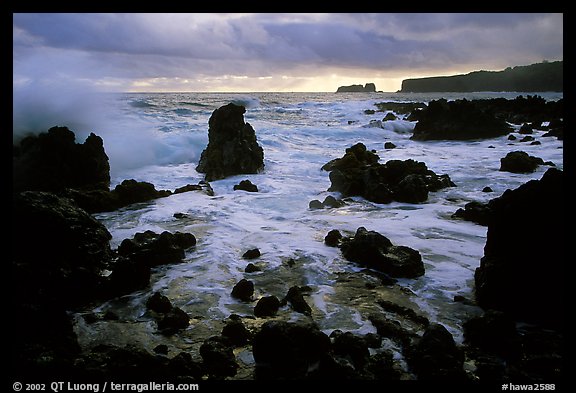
(159, 138)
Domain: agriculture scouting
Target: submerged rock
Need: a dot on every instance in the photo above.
(253, 253)
(246, 185)
(232, 146)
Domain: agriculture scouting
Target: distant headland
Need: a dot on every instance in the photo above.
(368, 88)
(539, 77)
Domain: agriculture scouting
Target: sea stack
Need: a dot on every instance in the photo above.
(232, 146)
(368, 88)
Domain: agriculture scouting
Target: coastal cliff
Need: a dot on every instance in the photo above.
(540, 77)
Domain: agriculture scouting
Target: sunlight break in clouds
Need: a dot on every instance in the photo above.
(272, 52)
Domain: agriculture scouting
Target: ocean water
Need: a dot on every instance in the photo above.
(159, 138)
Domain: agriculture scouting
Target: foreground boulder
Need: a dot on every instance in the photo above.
(358, 173)
(375, 251)
(58, 254)
(232, 146)
(435, 356)
(284, 350)
(524, 259)
(58, 249)
(52, 161)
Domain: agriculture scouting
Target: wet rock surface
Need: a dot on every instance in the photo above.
(371, 249)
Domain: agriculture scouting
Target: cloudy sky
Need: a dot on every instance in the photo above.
(271, 52)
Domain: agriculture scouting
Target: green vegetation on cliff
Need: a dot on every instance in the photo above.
(540, 77)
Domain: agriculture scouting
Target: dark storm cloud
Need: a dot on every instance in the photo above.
(125, 47)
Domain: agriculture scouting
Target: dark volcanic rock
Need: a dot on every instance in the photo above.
(132, 191)
(158, 303)
(520, 162)
(457, 120)
(493, 332)
(253, 253)
(243, 290)
(232, 146)
(296, 300)
(58, 249)
(106, 360)
(201, 186)
(352, 346)
(218, 357)
(53, 161)
(152, 249)
(183, 366)
(58, 254)
(329, 202)
(246, 185)
(127, 276)
(333, 238)
(359, 173)
(251, 268)
(514, 277)
(267, 306)
(284, 350)
(172, 321)
(373, 250)
(236, 332)
(436, 356)
(474, 211)
(126, 193)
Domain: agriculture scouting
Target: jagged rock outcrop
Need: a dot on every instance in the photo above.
(359, 173)
(53, 161)
(232, 146)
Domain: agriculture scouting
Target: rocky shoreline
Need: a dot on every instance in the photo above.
(62, 262)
